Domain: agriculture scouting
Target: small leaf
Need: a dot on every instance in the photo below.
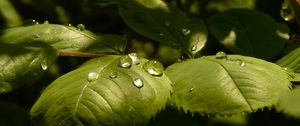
(82, 98)
(20, 65)
(167, 25)
(65, 38)
(290, 103)
(221, 5)
(248, 32)
(291, 60)
(226, 85)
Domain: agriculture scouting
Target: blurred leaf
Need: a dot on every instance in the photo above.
(291, 60)
(12, 115)
(167, 25)
(290, 104)
(20, 65)
(234, 120)
(235, 84)
(249, 32)
(9, 13)
(102, 93)
(65, 38)
(222, 5)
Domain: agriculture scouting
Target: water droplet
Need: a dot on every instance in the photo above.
(221, 55)
(154, 67)
(80, 27)
(167, 23)
(194, 48)
(46, 22)
(191, 89)
(35, 22)
(92, 76)
(44, 65)
(134, 57)
(125, 61)
(185, 31)
(70, 25)
(138, 83)
(286, 12)
(113, 74)
(242, 64)
(161, 34)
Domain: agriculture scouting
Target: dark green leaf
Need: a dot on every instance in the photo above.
(291, 60)
(102, 99)
(249, 32)
(167, 25)
(20, 65)
(227, 85)
(221, 5)
(290, 103)
(13, 115)
(65, 38)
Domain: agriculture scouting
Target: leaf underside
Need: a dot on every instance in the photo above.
(73, 100)
(227, 86)
(64, 38)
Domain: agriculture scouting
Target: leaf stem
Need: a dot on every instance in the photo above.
(84, 54)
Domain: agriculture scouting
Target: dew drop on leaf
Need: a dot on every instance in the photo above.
(185, 31)
(221, 55)
(46, 22)
(191, 89)
(70, 25)
(80, 27)
(194, 48)
(35, 22)
(154, 67)
(138, 83)
(125, 61)
(92, 76)
(161, 34)
(242, 64)
(167, 23)
(44, 65)
(134, 57)
(113, 74)
(286, 12)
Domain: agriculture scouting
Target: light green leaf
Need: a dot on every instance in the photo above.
(290, 103)
(65, 38)
(291, 60)
(167, 25)
(249, 32)
(20, 65)
(227, 85)
(101, 93)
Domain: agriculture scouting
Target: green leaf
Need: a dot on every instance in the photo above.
(167, 25)
(9, 14)
(20, 65)
(227, 85)
(249, 32)
(107, 97)
(291, 60)
(65, 38)
(290, 103)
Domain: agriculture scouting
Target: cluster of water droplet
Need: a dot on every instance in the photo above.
(223, 55)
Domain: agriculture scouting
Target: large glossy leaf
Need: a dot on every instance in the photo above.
(249, 32)
(291, 60)
(290, 103)
(20, 65)
(108, 97)
(65, 38)
(167, 25)
(227, 85)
